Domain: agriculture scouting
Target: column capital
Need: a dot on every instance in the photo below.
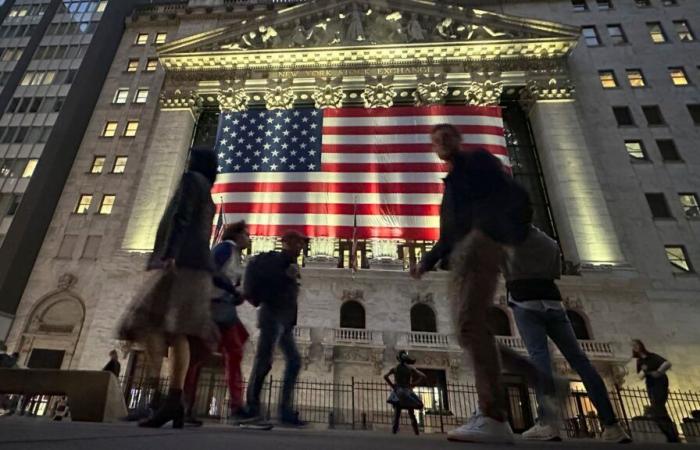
(379, 92)
(484, 93)
(431, 90)
(328, 93)
(279, 94)
(233, 99)
(551, 89)
(179, 99)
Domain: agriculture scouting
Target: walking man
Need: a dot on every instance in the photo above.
(113, 364)
(272, 281)
(482, 210)
(530, 270)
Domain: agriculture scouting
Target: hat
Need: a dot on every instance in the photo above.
(294, 235)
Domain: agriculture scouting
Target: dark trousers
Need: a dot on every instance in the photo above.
(397, 418)
(658, 396)
(272, 332)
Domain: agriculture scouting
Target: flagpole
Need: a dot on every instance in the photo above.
(353, 247)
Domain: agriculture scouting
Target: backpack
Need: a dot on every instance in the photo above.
(264, 275)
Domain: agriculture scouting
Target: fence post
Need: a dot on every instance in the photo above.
(442, 425)
(352, 400)
(623, 410)
(269, 399)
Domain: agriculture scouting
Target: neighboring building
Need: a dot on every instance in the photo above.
(602, 114)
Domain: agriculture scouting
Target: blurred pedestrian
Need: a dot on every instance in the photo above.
(113, 364)
(402, 396)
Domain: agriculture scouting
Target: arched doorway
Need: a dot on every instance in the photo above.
(352, 315)
(423, 318)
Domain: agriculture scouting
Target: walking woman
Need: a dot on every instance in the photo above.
(173, 306)
(402, 396)
(652, 369)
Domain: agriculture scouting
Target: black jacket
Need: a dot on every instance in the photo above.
(272, 281)
(479, 194)
(185, 229)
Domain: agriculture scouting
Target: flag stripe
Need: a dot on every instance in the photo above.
(411, 120)
(325, 178)
(345, 232)
(401, 139)
(332, 208)
(331, 197)
(405, 148)
(351, 187)
(319, 219)
(410, 129)
(384, 167)
(420, 111)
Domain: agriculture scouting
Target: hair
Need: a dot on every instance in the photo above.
(232, 231)
(641, 346)
(446, 127)
(403, 358)
(113, 352)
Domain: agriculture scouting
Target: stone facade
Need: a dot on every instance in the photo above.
(624, 285)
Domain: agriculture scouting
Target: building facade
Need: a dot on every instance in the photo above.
(602, 123)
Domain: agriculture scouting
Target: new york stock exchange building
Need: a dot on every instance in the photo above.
(578, 132)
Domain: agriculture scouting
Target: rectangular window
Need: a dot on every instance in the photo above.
(607, 79)
(132, 127)
(642, 3)
(107, 204)
(668, 150)
(141, 39)
(685, 34)
(98, 164)
(110, 129)
(623, 116)
(83, 204)
(656, 32)
(678, 76)
(133, 65)
(92, 247)
(653, 115)
(658, 206)
(579, 5)
(151, 65)
(636, 150)
(65, 251)
(678, 257)
(689, 203)
(121, 96)
(161, 38)
(669, 2)
(694, 111)
(30, 168)
(617, 35)
(604, 5)
(590, 36)
(120, 164)
(141, 96)
(635, 78)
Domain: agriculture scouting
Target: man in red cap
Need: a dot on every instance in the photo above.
(272, 282)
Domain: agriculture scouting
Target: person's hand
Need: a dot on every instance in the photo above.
(169, 264)
(416, 271)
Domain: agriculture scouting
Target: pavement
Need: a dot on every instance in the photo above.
(35, 434)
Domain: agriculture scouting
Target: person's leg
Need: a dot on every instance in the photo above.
(232, 341)
(155, 350)
(397, 419)
(269, 331)
(658, 395)
(291, 371)
(414, 422)
(198, 354)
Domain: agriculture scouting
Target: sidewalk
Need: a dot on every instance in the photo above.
(26, 434)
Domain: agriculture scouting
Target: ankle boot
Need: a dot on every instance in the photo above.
(171, 409)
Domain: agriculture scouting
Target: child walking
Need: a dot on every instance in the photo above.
(402, 396)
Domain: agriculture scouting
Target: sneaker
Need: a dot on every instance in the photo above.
(542, 432)
(483, 429)
(615, 433)
(192, 421)
(291, 419)
(259, 424)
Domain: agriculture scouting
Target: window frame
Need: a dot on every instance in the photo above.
(688, 31)
(626, 108)
(141, 39)
(130, 68)
(642, 150)
(684, 74)
(631, 81)
(686, 259)
(104, 204)
(161, 38)
(151, 65)
(83, 208)
(622, 36)
(94, 166)
(658, 206)
(667, 146)
(661, 32)
(596, 36)
(128, 129)
(579, 5)
(107, 131)
(687, 208)
(115, 165)
(655, 108)
(694, 111)
(613, 78)
(139, 99)
(121, 96)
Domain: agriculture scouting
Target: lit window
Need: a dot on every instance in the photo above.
(683, 31)
(590, 35)
(120, 164)
(102, 6)
(607, 79)
(604, 5)
(98, 164)
(83, 204)
(678, 76)
(642, 3)
(152, 65)
(121, 96)
(133, 65)
(141, 39)
(110, 129)
(29, 168)
(141, 96)
(131, 128)
(656, 32)
(161, 38)
(689, 203)
(658, 206)
(617, 35)
(636, 150)
(27, 79)
(668, 150)
(107, 204)
(579, 5)
(678, 258)
(635, 77)
(653, 115)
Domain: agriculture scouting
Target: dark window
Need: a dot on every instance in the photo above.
(590, 35)
(694, 111)
(653, 115)
(578, 323)
(623, 116)
(617, 34)
(498, 322)
(642, 3)
(45, 359)
(579, 5)
(658, 206)
(604, 5)
(423, 318)
(352, 315)
(668, 150)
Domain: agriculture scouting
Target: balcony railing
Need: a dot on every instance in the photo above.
(424, 339)
(353, 335)
(596, 348)
(513, 342)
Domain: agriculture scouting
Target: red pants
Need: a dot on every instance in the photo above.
(232, 341)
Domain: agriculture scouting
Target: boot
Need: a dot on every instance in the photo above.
(171, 409)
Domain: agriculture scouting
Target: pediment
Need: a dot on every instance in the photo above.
(348, 23)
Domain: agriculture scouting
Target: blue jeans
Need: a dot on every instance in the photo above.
(535, 326)
(272, 331)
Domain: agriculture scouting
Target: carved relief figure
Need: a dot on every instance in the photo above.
(356, 31)
(300, 35)
(414, 30)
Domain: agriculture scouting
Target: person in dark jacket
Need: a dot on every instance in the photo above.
(113, 364)
(402, 396)
(173, 306)
(483, 209)
(652, 369)
(272, 281)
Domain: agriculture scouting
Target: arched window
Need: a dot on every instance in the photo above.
(423, 318)
(578, 323)
(352, 315)
(497, 321)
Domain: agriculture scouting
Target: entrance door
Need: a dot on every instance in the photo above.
(518, 403)
(45, 359)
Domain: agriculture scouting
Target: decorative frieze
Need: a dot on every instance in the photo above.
(551, 89)
(179, 99)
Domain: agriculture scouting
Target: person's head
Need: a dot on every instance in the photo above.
(3, 347)
(203, 160)
(238, 233)
(638, 348)
(15, 355)
(293, 242)
(113, 355)
(403, 358)
(446, 141)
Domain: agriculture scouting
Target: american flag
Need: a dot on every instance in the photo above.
(367, 173)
